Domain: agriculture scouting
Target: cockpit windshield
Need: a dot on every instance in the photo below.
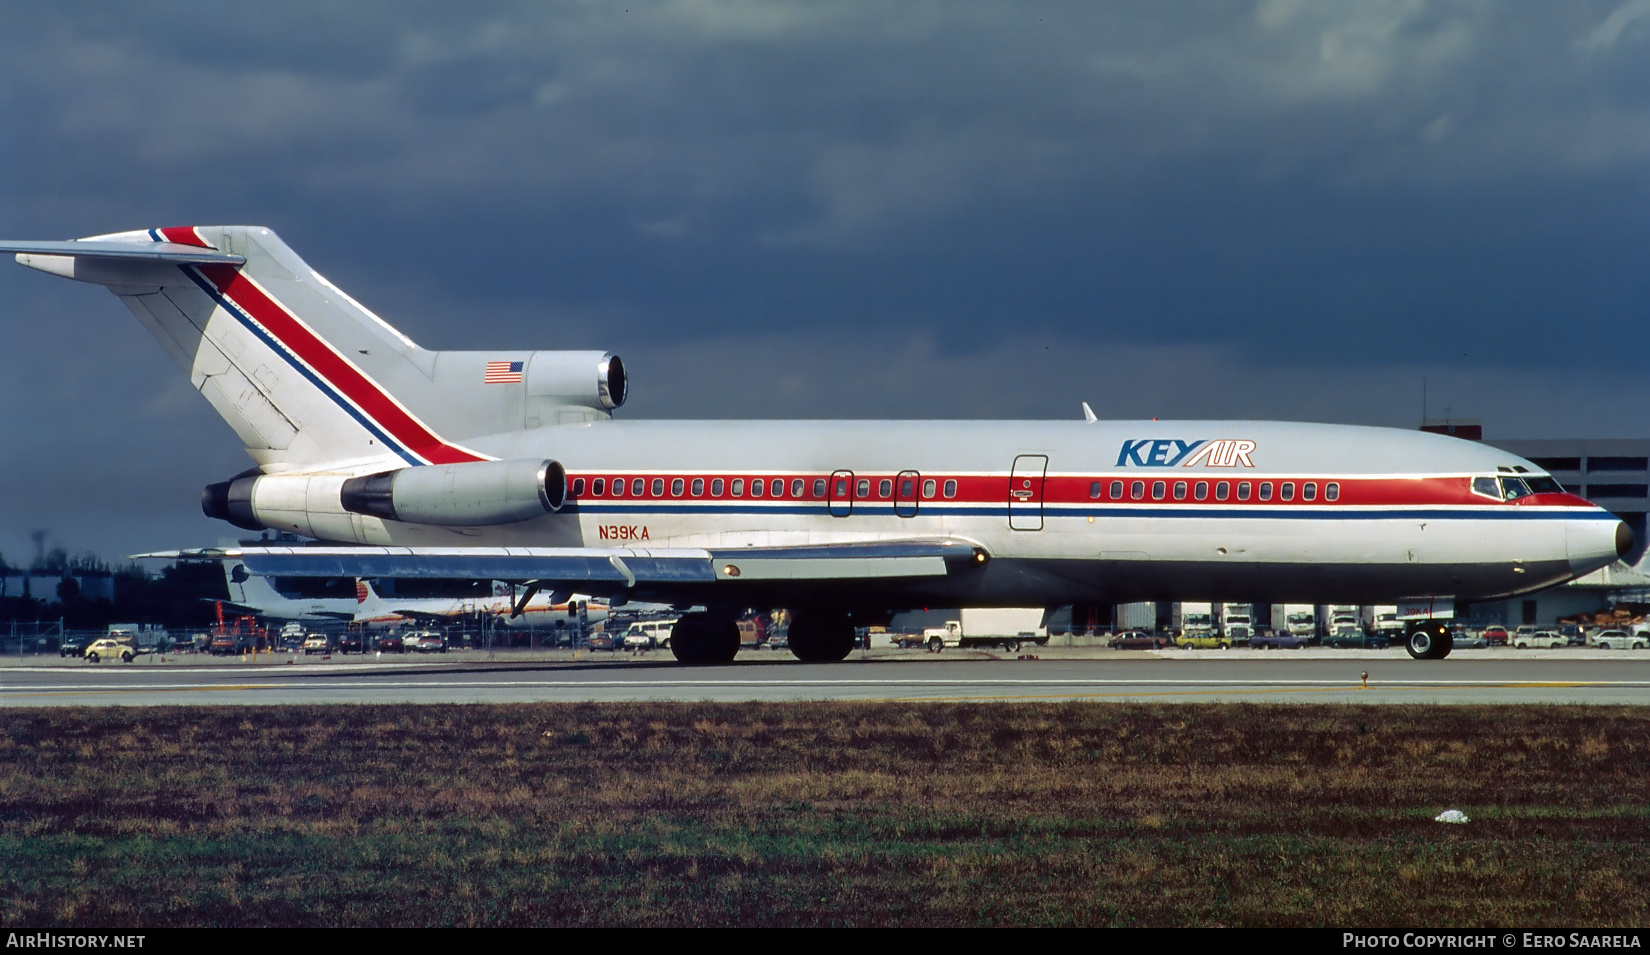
(1514, 488)
(1542, 484)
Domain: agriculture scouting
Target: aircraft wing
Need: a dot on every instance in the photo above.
(613, 570)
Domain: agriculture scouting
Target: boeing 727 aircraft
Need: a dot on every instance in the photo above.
(509, 465)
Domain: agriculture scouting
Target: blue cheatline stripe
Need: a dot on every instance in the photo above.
(263, 335)
(818, 508)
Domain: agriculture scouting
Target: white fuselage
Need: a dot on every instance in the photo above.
(1108, 511)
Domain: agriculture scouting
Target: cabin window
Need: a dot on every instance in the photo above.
(1157, 490)
(1223, 490)
(928, 487)
(796, 487)
(1487, 487)
(737, 488)
(819, 487)
(1094, 491)
(951, 488)
(863, 488)
(1117, 490)
(578, 487)
(637, 485)
(1137, 490)
(885, 488)
(676, 486)
(757, 486)
(1200, 490)
(1180, 490)
(907, 487)
(658, 487)
(716, 487)
(1286, 491)
(618, 487)
(1266, 490)
(1243, 490)
(1309, 491)
(698, 487)
(1331, 491)
(598, 487)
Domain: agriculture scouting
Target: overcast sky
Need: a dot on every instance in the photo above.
(1276, 209)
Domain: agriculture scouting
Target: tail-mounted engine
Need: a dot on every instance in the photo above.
(330, 506)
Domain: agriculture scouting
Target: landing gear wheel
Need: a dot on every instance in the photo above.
(822, 637)
(1012, 646)
(1429, 640)
(701, 638)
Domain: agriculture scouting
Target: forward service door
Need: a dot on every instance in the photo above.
(1025, 492)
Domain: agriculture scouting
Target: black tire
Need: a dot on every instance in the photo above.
(1429, 640)
(699, 638)
(822, 637)
(1012, 646)
(91, 657)
(935, 644)
(126, 657)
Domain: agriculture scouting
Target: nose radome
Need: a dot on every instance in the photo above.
(1596, 543)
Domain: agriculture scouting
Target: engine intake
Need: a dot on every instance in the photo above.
(460, 495)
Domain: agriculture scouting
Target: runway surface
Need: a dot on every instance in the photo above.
(1270, 678)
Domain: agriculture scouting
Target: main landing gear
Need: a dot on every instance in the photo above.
(821, 636)
(705, 638)
(1428, 639)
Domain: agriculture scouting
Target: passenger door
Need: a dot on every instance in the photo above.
(840, 493)
(1025, 492)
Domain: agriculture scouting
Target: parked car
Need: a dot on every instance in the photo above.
(316, 643)
(1496, 636)
(602, 640)
(1539, 638)
(1202, 640)
(390, 643)
(1353, 640)
(1139, 640)
(350, 643)
(74, 646)
(1278, 640)
(424, 641)
(109, 649)
(1618, 640)
(1467, 640)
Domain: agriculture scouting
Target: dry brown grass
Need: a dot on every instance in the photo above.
(864, 814)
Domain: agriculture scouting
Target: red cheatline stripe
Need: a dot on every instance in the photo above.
(182, 235)
(344, 377)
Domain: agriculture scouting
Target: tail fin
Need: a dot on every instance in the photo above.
(305, 375)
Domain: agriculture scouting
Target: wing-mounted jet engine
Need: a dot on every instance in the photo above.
(328, 506)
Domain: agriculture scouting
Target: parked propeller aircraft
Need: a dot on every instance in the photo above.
(508, 465)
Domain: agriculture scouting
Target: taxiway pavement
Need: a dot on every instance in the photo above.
(1505, 677)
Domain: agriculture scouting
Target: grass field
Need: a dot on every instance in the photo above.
(827, 814)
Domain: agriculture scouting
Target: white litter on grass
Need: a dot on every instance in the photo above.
(1451, 815)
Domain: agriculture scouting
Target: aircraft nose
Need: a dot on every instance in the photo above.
(1595, 543)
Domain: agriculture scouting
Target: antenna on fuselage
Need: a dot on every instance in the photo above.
(1088, 414)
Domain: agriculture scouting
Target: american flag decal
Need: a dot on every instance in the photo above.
(501, 373)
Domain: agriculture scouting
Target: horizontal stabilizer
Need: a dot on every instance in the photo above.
(597, 569)
(125, 251)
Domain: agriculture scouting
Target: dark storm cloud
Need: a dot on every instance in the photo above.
(1281, 209)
